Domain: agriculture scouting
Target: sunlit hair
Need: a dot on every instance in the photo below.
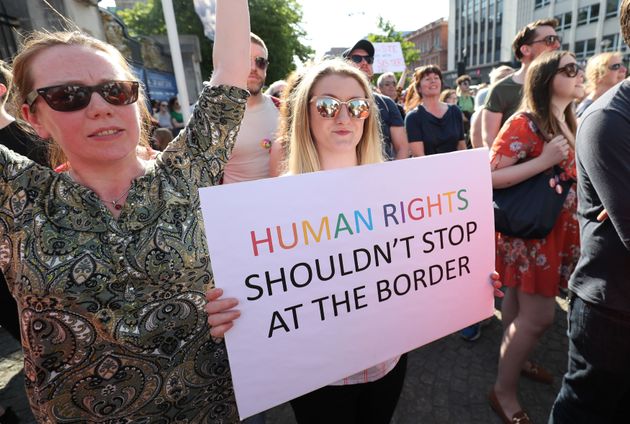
(412, 99)
(422, 72)
(286, 115)
(257, 40)
(6, 77)
(302, 155)
(40, 41)
(445, 94)
(597, 67)
(537, 92)
(527, 35)
(624, 20)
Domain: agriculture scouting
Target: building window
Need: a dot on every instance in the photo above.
(612, 6)
(588, 14)
(564, 21)
(541, 3)
(612, 43)
(584, 49)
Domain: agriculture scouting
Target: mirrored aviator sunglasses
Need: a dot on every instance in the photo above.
(570, 70)
(71, 97)
(329, 107)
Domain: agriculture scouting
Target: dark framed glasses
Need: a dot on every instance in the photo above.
(615, 66)
(357, 58)
(549, 40)
(71, 97)
(570, 70)
(261, 62)
(329, 107)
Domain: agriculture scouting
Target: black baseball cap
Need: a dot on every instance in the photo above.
(361, 44)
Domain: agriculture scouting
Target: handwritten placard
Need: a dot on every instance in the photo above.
(388, 57)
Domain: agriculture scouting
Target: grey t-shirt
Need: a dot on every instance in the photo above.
(504, 97)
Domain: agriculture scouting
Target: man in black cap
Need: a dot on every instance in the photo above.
(396, 145)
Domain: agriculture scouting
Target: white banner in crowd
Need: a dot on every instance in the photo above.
(388, 57)
(207, 11)
(337, 271)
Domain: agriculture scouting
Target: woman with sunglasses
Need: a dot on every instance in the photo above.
(534, 269)
(334, 126)
(433, 126)
(603, 71)
(108, 261)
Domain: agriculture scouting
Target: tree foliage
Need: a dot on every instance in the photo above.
(390, 35)
(277, 22)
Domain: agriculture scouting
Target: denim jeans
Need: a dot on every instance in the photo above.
(596, 387)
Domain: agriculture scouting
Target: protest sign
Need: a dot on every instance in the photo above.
(388, 57)
(337, 271)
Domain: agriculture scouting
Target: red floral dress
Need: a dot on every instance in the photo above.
(536, 266)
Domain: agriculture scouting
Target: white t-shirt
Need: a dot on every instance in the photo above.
(250, 156)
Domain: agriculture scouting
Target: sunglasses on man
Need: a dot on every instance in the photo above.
(358, 58)
(329, 107)
(549, 40)
(261, 63)
(570, 70)
(71, 97)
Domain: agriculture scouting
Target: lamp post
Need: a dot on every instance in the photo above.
(461, 65)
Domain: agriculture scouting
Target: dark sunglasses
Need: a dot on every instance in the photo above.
(357, 58)
(570, 70)
(549, 40)
(261, 62)
(329, 107)
(71, 97)
(615, 66)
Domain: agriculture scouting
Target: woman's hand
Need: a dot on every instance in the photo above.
(603, 216)
(555, 151)
(496, 283)
(221, 316)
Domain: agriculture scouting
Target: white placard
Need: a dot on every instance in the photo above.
(412, 246)
(388, 57)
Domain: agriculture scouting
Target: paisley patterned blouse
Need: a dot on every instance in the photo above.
(112, 310)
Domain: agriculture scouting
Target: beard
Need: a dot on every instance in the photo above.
(255, 87)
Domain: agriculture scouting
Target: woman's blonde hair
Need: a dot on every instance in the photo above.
(302, 155)
(537, 93)
(596, 68)
(39, 41)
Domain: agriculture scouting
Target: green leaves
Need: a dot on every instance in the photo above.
(277, 22)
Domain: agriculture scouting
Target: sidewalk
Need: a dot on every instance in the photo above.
(447, 381)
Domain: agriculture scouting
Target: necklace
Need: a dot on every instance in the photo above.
(118, 206)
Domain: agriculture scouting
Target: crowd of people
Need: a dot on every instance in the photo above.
(103, 246)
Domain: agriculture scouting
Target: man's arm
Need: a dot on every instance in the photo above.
(475, 129)
(400, 142)
(490, 126)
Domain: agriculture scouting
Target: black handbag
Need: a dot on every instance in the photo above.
(530, 209)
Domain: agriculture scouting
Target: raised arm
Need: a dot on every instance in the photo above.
(230, 54)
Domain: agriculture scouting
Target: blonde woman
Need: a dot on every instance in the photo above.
(603, 71)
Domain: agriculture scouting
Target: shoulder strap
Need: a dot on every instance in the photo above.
(539, 131)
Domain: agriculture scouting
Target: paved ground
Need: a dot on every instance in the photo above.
(447, 381)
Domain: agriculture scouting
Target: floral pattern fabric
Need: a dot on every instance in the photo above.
(112, 310)
(537, 266)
